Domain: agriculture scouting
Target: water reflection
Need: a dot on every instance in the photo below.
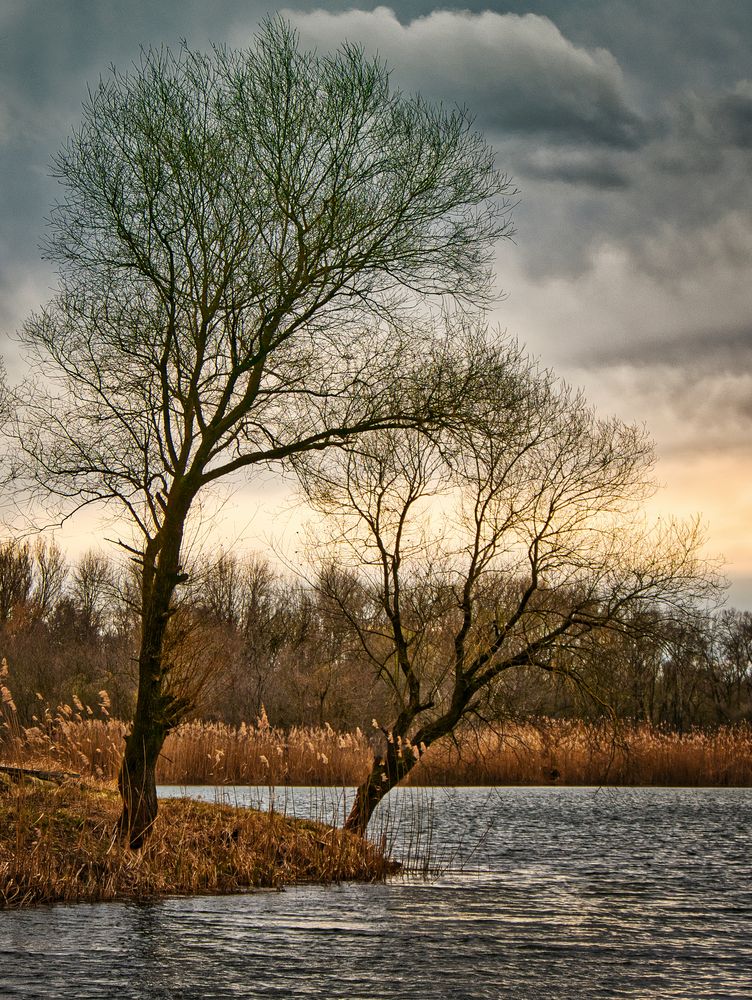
(550, 893)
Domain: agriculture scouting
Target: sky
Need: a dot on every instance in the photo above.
(626, 126)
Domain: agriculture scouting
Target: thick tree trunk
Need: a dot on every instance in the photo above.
(400, 758)
(157, 712)
(155, 715)
(367, 797)
(137, 783)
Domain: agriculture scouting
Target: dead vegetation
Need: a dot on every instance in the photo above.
(57, 844)
(574, 752)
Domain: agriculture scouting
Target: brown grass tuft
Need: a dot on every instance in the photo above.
(57, 845)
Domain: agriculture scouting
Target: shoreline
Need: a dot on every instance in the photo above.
(57, 844)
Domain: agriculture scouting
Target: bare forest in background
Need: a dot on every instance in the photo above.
(260, 644)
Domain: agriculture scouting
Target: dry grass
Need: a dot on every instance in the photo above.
(57, 845)
(577, 753)
(197, 752)
(75, 738)
(208, 753)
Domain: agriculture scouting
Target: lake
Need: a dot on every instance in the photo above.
(528, 893)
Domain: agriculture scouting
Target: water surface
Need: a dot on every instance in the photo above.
(544, 892)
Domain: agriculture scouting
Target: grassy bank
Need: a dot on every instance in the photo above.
(57, 845)
(540, 752)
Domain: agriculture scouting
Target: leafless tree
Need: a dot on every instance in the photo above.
(16, 575)
(92, 590)
(730, 665)
(51, 571)
(512, 540)
(245, 242)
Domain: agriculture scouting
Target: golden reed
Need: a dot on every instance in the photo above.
(541, 752)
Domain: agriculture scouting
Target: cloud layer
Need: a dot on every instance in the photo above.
(627, 128)
(518, 74)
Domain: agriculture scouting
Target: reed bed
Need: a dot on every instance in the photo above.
(213, 753)
(88, 741)
(570, 752)
(57, 844)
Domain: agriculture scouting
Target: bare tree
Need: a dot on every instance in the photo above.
(50, 573)
(510, 541)
(244, 242)
(730, 665)
(91, 591)
(16, 576)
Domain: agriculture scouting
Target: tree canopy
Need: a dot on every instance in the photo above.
(240, 242)
(513, 539)
(246, 244)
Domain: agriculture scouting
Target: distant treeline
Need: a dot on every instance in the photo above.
(259, 643)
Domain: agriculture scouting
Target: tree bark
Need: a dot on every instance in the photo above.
(367, 797)
(157, 711)
(137, 783)
(401, 756)
(386, 772)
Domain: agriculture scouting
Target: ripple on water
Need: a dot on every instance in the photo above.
(549, 892)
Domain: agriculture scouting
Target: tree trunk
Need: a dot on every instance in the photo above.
(386, 772)
(137, 783)
(367, 797)
(157, 711)
(154, 717)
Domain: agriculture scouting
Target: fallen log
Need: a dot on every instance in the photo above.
(18, 773)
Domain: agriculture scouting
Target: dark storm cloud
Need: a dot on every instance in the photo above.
(713, 122)
(661, 45)
(621, 130)
(593, 142)
(680, 208)
(518, 74)
(557, 91)
(734, 118)
(581, 168)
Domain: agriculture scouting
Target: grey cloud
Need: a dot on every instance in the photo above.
(666, 184)
(710, 122)
(586, 168)
(711, 412)
(725, 351)
(690, 411)
(680, 208)
(731, 115)
(518, 74)
(694, 390)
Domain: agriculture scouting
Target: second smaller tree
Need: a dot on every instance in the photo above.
(511, 540)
